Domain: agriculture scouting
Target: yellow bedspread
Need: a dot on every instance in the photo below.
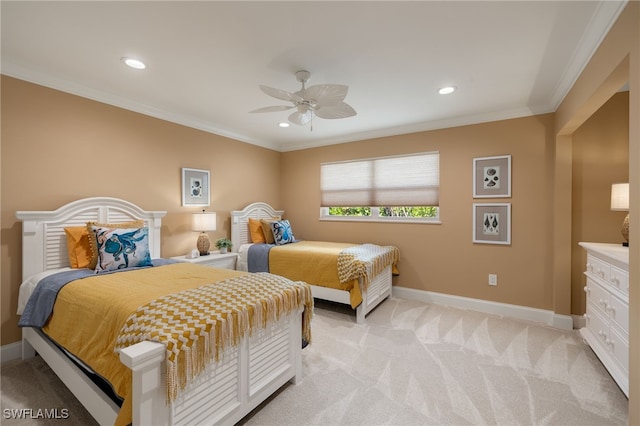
(89, 314)
(316, 262)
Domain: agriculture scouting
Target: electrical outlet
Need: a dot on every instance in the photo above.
(493, 279)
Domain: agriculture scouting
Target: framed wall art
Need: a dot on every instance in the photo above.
(195, 187)
(492, 223)
(492, 177)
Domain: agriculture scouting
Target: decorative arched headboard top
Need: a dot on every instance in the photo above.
(44, 244)
(240, 221)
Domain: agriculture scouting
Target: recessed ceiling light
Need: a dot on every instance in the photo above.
(283, 124)
(446, 90)
(134, 63)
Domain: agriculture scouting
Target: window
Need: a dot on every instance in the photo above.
(399, 188)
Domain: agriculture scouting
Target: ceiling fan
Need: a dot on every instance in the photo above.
(322, 100)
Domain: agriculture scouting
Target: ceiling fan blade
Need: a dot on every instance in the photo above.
(325, 94)
(280, 94)
(340, 110)
(301, 118)
(274, 108)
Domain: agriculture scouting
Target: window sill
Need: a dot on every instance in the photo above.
(379, 220)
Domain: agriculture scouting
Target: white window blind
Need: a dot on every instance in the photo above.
(410, 180)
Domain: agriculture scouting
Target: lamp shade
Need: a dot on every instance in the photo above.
(203, 222)
(620, 197)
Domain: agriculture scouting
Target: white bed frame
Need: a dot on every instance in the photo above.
(225, 393)
(378, 290)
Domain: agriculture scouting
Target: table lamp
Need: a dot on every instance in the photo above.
(203, 223)
(620, 202)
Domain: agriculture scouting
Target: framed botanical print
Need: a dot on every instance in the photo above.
(492, 177)
(492, 223)
(195, 187)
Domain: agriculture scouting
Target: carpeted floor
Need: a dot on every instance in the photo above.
(411, 364)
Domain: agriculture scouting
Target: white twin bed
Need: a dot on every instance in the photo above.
(378, 290)
(225, 393)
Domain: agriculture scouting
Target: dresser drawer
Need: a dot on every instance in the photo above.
(597, 296)
(619, 313)
(597, 323)
(598, 268)
(619, 346)
(619, 279)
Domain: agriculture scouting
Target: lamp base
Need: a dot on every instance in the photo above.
(625, 230)
(203, 244)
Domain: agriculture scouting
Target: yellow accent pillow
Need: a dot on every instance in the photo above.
(255, 231)
(92, 238)
(266, 229)
(78, 246)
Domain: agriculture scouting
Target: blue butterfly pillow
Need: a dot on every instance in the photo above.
(120, 248)
(282, 233)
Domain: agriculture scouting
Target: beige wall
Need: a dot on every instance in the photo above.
(600, 158)
(442, 258)
(57, 148)
(616, 61)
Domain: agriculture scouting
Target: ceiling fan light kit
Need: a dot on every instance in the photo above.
(322, 100)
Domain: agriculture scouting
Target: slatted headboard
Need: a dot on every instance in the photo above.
(44, 245)
(240, 221)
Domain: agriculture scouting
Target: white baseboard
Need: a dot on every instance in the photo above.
(564, 322)
(11, 351)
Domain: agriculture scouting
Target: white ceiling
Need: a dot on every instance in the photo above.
(206, 59)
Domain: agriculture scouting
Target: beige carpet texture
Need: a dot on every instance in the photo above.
(412, 363)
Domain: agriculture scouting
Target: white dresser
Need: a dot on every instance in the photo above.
(607, 317)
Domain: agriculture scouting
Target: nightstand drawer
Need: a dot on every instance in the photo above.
(214, 260)
(228, 262)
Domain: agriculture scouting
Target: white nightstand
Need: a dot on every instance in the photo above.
(213, 259)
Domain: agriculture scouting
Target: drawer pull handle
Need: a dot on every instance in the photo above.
(615, 280)
(587, 289)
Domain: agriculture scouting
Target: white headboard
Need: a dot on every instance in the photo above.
(240, 221)
(44, 244)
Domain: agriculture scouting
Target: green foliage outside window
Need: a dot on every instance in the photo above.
(350, 211)
(407, 211)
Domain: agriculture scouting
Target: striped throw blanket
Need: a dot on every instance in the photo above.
(199, 324)
(366, 261)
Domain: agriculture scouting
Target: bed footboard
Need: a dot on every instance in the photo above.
(226, 391)
(378, 290)
(223, 394)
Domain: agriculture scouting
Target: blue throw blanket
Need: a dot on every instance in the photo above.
(40, 304)
(258, 257)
